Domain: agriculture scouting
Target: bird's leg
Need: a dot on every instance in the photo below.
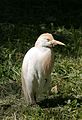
(47, 85)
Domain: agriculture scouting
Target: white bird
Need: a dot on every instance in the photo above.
(37, 67)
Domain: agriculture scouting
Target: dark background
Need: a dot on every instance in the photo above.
(60, 12)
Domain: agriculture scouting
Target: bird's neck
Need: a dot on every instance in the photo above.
(48, 61)
(42, 48)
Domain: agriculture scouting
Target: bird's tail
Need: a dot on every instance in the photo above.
(24, 88)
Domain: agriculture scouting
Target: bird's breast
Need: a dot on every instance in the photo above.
(47, 63)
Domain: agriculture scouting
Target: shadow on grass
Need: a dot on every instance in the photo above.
(58, 101)
(52, 102)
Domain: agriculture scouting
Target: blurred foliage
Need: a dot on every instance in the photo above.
(21, 37)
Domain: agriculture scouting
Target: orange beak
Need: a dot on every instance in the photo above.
(55, 42)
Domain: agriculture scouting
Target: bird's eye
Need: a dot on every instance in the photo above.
(48, 39)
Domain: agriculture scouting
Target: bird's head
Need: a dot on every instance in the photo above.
(47, 40)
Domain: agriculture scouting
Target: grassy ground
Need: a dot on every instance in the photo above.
(67, 74)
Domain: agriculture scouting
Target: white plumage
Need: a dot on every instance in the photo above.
(37, 66)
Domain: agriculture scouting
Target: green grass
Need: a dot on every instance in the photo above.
(67, 74)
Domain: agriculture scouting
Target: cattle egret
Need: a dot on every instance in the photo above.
(37, 67)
